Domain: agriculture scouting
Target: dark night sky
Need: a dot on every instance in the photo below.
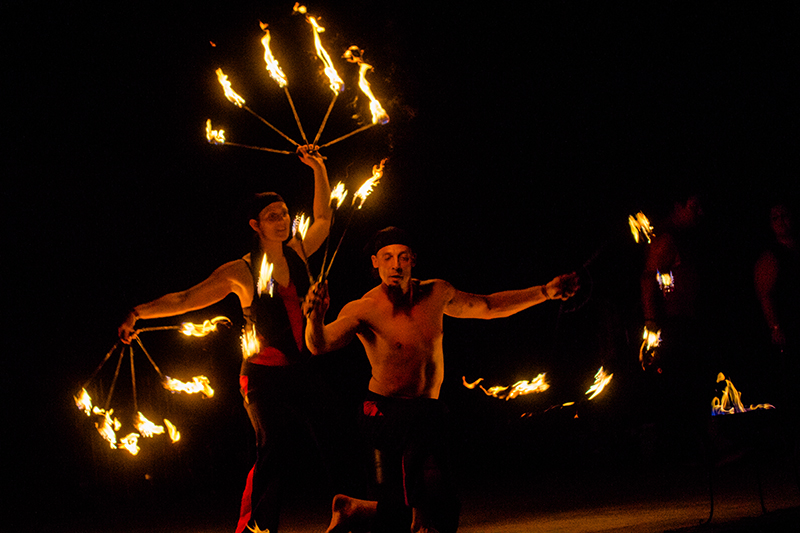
(520, 140)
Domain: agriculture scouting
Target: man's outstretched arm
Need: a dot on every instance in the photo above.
(338, 334)
(506, 303)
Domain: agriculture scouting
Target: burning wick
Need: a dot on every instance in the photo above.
(147, 428)
(299, 228)
(237, 100)
(666, 281)
(250, 344)
(601, 379)
(522, 387)
(640, 224)
(265, 281)
(361, 194)
(208, 326)
(172, 431)
(218, 137)
(198, 384)
(650, 341)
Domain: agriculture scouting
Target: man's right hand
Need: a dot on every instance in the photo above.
(317, 301)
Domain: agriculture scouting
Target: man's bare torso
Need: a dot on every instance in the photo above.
(403, 340)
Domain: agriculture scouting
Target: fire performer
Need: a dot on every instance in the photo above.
(273, 372)
(399, 322)
(683, 382)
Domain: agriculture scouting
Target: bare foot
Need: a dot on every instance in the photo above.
(351, 514)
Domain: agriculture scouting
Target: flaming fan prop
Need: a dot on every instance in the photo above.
(108, 425)
(730, 402)
(335, 82)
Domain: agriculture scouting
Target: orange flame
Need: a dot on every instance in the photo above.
(229, 92)
(198, 384)
(250, 344)
(300, 225)
(537, 384)
(265, 283)
(336, 83)
(731, 400)
(353, 55)
(147, 428)
(131, 443)
(201, 330)
(666, 281)
(472, 385)
(214, 136)
(366, 189)
(601, 379)
(84, 402)
(339, 193)
(640, 224)
(172, 431)
(273, 68)
(108, 427)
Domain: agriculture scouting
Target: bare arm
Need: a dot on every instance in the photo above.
(506, 303)
(225, 280)
(338, 334)
(318, 231)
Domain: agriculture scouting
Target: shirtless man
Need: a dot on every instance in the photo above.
(400, 324)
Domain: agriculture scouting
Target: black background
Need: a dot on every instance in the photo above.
(521, 138)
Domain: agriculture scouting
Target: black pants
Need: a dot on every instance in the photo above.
(409, 444)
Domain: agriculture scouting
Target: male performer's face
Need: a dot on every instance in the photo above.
(273, 222)
(394, 263)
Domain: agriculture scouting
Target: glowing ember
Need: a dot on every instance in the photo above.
(339, 193)
(172, 431)
(601, 379)
(201, 330)
(265, 281)
(336, 83)
(198, 384)
(131, 443)
(640, 224)
(84, 402)
(273, 68)
(731, 400)
(366, 189)
(250, 344)
(229, 92)
(353, 54)
(666, 281)
(300, 225)
(147, 428)
(214, 136)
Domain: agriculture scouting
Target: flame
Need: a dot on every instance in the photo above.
(108, 427)
(198, 384)
(214, 136)
(131, 443)
(273, 68)
(640, 224)
(650, 341)
(339, 193)
(299, 9)
(731, 400)
(601, 379)
(300, 225)
(470, 385)
(265, 282)
(353, 55)
(201, 330)
(336, 83)
(666, 281)
(250, 344)
(147, 428)
(537, 384)
(229, 92)
(366, 188)
(172, 431)
(84, 402)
